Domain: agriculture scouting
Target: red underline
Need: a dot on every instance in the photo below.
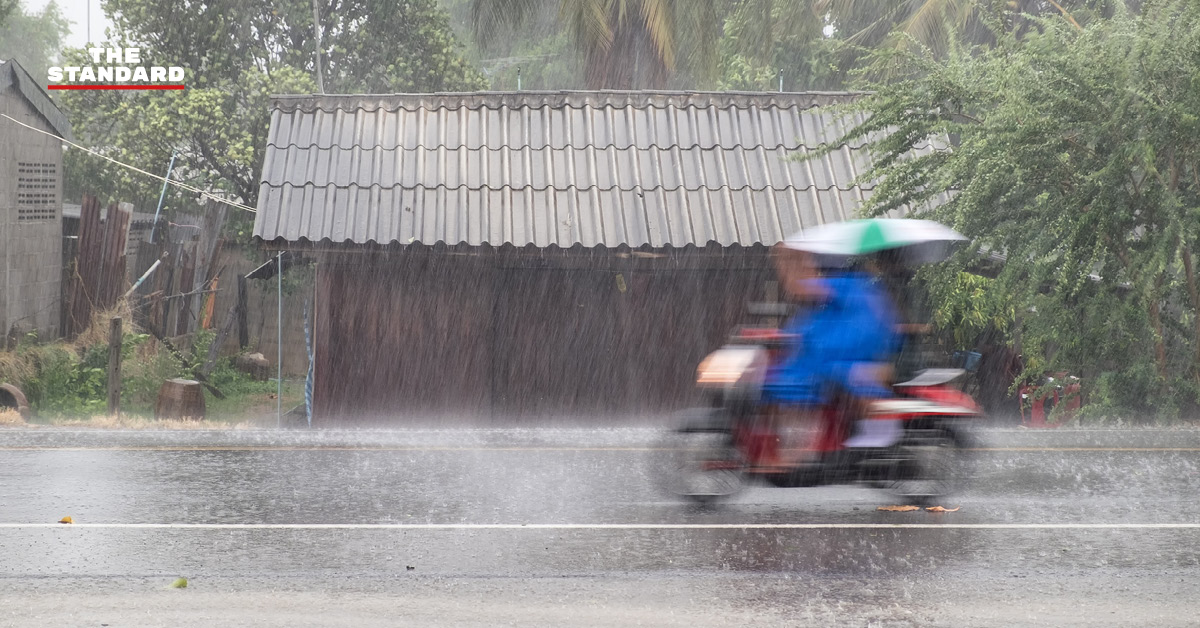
(85, 86)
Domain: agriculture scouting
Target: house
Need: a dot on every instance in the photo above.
(538, 254)
(31, 173)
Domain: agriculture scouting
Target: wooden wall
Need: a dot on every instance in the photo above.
(520, 338)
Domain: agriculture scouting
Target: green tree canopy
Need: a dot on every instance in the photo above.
(624, 44)
(538, 48)
(7, 8)
(1076, 154)
(818, 44)
(33, 39)
(236, 55)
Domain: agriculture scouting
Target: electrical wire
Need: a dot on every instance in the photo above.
(178, 184)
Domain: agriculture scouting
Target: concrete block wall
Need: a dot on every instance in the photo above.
(30, 250)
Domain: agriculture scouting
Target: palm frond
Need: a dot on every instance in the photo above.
(489, 17)
(589, 23)
(659, 24)
(927, 23)
(698, 31)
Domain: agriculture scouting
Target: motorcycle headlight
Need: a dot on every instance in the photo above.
(728, 366)
(714, 371)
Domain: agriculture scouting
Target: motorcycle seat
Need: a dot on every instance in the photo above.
(932, 377)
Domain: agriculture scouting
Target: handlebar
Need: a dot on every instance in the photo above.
(781, 310)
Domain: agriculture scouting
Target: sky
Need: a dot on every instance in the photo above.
(77, 12)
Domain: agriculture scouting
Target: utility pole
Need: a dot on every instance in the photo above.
(279, 340)
(317, 31)
(162, 194)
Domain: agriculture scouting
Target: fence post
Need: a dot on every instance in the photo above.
(242, 323)
(114, 367)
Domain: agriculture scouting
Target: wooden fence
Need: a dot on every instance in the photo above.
(197, 281)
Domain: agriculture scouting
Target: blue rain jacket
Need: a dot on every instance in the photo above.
(856, 325)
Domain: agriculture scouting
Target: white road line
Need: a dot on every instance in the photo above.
(437, 449)
(608, 526)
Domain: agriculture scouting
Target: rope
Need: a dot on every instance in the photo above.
(178, 184)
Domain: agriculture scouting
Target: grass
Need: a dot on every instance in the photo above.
(134, 422)
(252, 407)
(10, 418)
(66, 382)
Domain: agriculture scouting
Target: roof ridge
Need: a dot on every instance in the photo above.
(697, 145)
(570, 188)
(330, 103)
(12, 73)
(415, 243)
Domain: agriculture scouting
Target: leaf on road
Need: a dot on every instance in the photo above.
(66, 520)
(180, 583)
(898, 508)
(940, 509)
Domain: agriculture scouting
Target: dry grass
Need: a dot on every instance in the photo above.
(128, 422)
(15, 368)
(99, 328)
(10, 418)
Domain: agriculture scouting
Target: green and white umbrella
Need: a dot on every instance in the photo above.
(913, 241)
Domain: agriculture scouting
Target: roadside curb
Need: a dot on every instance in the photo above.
(499, 438)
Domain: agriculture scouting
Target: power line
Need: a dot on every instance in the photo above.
(178, 184)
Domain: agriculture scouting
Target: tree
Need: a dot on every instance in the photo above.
(625, 44)
(33, 39)
(538, 49)
(7, 8)
(936, 24)
(237, 54)
(803, 43)
(368, 46)
(818, 44)
(219, 131)
(1076, 155)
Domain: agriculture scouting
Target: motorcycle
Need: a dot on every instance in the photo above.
(1038, 402)
(913, 445)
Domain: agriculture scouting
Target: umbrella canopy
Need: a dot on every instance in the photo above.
(913, 241)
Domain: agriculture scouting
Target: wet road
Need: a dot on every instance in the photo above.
(565, 527)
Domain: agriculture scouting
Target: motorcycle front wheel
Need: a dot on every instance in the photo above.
(699, 465)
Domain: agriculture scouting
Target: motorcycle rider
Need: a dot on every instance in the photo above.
(843, 339)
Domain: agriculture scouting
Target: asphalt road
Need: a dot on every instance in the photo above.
(558, 527)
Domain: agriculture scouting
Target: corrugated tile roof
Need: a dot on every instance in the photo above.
(556, 168)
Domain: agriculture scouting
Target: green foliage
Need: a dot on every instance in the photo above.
(236, 56)
(61, 380)
(65, 383)
(730, 44)
(623, 44)
(33, 39)
(543, 51)
(299, 279)
(965, 306)
(763, 37)
(219, 130)
(144, 368)
(7, 8)
(1076, 156)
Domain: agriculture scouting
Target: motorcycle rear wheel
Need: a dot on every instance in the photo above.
(931, 468)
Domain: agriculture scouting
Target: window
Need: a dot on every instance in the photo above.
(37, 191)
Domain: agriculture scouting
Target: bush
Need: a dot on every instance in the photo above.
(62, 379)
(146, 363)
